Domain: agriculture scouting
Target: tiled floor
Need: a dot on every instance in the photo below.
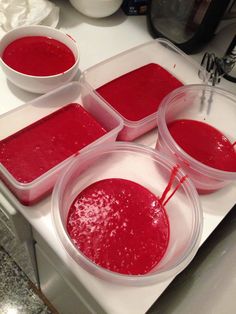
(17, 293)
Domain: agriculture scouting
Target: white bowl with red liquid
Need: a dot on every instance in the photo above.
(206, 148)
(146, 167)
(38, 82)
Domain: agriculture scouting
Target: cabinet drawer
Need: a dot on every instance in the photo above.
(13, 220)
(7, 212)
(56, 289)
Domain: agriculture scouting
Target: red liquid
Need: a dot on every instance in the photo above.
(38, 55)
(119, 225)
(42, 145)
(204, 143)
(138, 94)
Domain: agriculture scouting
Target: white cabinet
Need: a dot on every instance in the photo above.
(56, 289)
(59, 285)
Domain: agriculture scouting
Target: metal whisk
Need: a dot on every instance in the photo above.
(218, 68)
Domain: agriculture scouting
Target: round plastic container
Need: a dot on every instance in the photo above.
(150, 169)
(207, 104)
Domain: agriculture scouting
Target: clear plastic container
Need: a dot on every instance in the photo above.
(159, 51)
(145, 166)
(21, 117)
(207, 104)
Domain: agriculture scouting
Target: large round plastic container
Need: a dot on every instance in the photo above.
(207, 104)
(145, 166)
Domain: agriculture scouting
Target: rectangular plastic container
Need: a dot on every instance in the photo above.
(158, 51)
(21, 117)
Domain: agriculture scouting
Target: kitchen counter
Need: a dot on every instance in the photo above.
(99, 40)
(208, 284)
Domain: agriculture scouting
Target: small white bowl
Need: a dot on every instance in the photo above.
(96, 8)
(39, 84)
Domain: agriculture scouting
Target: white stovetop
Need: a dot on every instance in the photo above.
(99, 40)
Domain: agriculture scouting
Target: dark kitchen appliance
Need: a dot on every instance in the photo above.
(189, 24)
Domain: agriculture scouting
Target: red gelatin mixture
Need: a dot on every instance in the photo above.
(42, 145)
(119, 225)
(38, 55)
(138, 93)
(204, 143)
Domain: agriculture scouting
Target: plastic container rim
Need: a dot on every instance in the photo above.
(162, 41)
(64, 163)
(173, 146)
(76, 255)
